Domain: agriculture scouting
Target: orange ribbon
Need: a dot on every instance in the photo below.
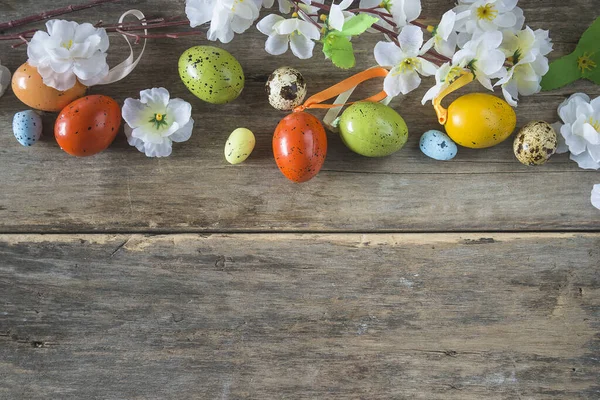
(316, 100)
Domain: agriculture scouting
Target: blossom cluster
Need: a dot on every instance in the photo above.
(485, 37)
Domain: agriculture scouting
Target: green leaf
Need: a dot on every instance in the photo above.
(338, 48)
(562, 72)
(594, 74)
(358, 24)
(590, 40)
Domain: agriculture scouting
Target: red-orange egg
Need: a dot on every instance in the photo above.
(300, 146)
(28, 86)
(88, 125)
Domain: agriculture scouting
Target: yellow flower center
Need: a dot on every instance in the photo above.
(408, 64)
(585, 63)
(159, 117)
(294, 15)
(453, 74)
(67, 45)
(487, 12)
(595, 124)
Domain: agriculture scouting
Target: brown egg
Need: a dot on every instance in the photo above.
(28, 86)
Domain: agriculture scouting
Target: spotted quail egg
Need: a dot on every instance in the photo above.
(535, 143)
(286, 88)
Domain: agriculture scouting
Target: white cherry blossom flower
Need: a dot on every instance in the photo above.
(488, 16)
(580, 131)
(69, 52)
(483, 57)
(444, 36)
(4, 78)
(595, 198)
(444, 76)
(297, 32)
(226, 16)
(156, 121)
(403, 11)
(405, 61)
(338, 15)
(527, 50)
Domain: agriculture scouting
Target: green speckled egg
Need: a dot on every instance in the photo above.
(212, 74)
(372, 129)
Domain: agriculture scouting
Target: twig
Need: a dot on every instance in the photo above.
(172, 35)
(122, 28)
(53, 13)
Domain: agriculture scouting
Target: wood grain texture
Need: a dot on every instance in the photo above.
(260, 316)
(43, 189)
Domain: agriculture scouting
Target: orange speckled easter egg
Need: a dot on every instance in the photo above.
(300, 146)
(28, 86)
(88, 125)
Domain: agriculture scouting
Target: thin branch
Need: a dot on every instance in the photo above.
(53, 13)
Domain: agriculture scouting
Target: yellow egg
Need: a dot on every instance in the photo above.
(480, 120)
(28, 86)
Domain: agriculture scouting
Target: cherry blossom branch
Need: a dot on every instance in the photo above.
(124, 28)
(52, 13)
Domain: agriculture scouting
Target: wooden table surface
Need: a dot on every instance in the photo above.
(125, 277)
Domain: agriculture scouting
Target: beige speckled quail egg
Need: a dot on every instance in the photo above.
(286, 88)
(535, 143)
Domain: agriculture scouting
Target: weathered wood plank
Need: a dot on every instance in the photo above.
(429, 316)
(43, 189)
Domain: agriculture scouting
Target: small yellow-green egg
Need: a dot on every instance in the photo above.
(239, 145)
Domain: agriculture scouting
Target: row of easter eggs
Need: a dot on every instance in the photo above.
(88, 125)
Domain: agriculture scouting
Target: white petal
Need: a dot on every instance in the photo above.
(58, 81)
(285, 6)
(426, 68)
(162, 149)
(309, 30)
(595, 197)
(446, 25)
(179, 111)
(396, 82)
(590, 134)
(86, 68)
(265, 25)
(387, 54)
(411, 40)
(287, 26)
(562, 146)
(199, 11)
(138, 143)
(567, 109)
(485, 82)
(276, 44)
(336, 17)
(302, 47)
(575, 143)
(431, 94)
(184, 133)
(157, 99)
(491, 63)
(65, 30)
(412, 9)
(585, 161)
(506, 20)
(135, 113)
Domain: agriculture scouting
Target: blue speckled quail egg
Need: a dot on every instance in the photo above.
(286, 88)
(27, 127)
(438, 145)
